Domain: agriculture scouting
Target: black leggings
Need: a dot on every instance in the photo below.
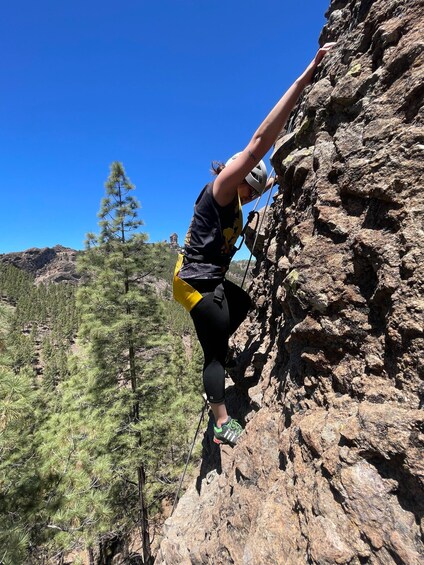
(215, 321)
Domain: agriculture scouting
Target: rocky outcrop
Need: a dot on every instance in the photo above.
(50, 264)
(330, 468)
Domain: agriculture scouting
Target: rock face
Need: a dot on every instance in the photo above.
(50, 264)
(330, 468)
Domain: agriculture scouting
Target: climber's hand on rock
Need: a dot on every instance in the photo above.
(322, 51)
(307, 76)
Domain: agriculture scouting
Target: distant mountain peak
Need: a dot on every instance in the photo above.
(48, 264)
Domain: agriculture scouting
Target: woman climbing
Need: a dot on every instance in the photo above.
(216, 305)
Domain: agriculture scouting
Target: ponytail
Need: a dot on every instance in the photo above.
(217, 167)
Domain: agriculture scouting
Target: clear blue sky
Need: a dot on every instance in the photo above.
(164, 86)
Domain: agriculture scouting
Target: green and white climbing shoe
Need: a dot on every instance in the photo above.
(228, 432)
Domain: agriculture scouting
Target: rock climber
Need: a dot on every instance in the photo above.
(216, 305)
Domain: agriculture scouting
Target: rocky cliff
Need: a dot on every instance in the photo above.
(50, 264)
(330, 468)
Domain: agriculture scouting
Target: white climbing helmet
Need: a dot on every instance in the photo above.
(257, 177)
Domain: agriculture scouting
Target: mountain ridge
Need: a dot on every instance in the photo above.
(47, 264)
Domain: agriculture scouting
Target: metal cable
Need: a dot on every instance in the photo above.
(177, 494)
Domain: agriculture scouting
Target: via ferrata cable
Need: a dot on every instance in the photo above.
(177, 494)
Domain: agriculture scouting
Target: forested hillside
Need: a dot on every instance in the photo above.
(100, 395)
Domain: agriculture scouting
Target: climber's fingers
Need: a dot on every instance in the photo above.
(322, 51)
(310, 70)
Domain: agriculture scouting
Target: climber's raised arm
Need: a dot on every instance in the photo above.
(228, 181)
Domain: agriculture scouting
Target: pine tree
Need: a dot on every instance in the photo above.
(28, 410)
(92, 446)
(120, 314)
(21, 492)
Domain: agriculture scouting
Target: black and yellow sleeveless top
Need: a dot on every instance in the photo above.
(209, 244)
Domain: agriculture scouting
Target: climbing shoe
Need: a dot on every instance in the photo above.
(228, 432)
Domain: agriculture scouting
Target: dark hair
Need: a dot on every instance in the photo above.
(217, 167)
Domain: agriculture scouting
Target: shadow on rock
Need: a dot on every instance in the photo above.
(238, 406)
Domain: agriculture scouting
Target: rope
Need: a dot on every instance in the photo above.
(177, 494)
(251, 253)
